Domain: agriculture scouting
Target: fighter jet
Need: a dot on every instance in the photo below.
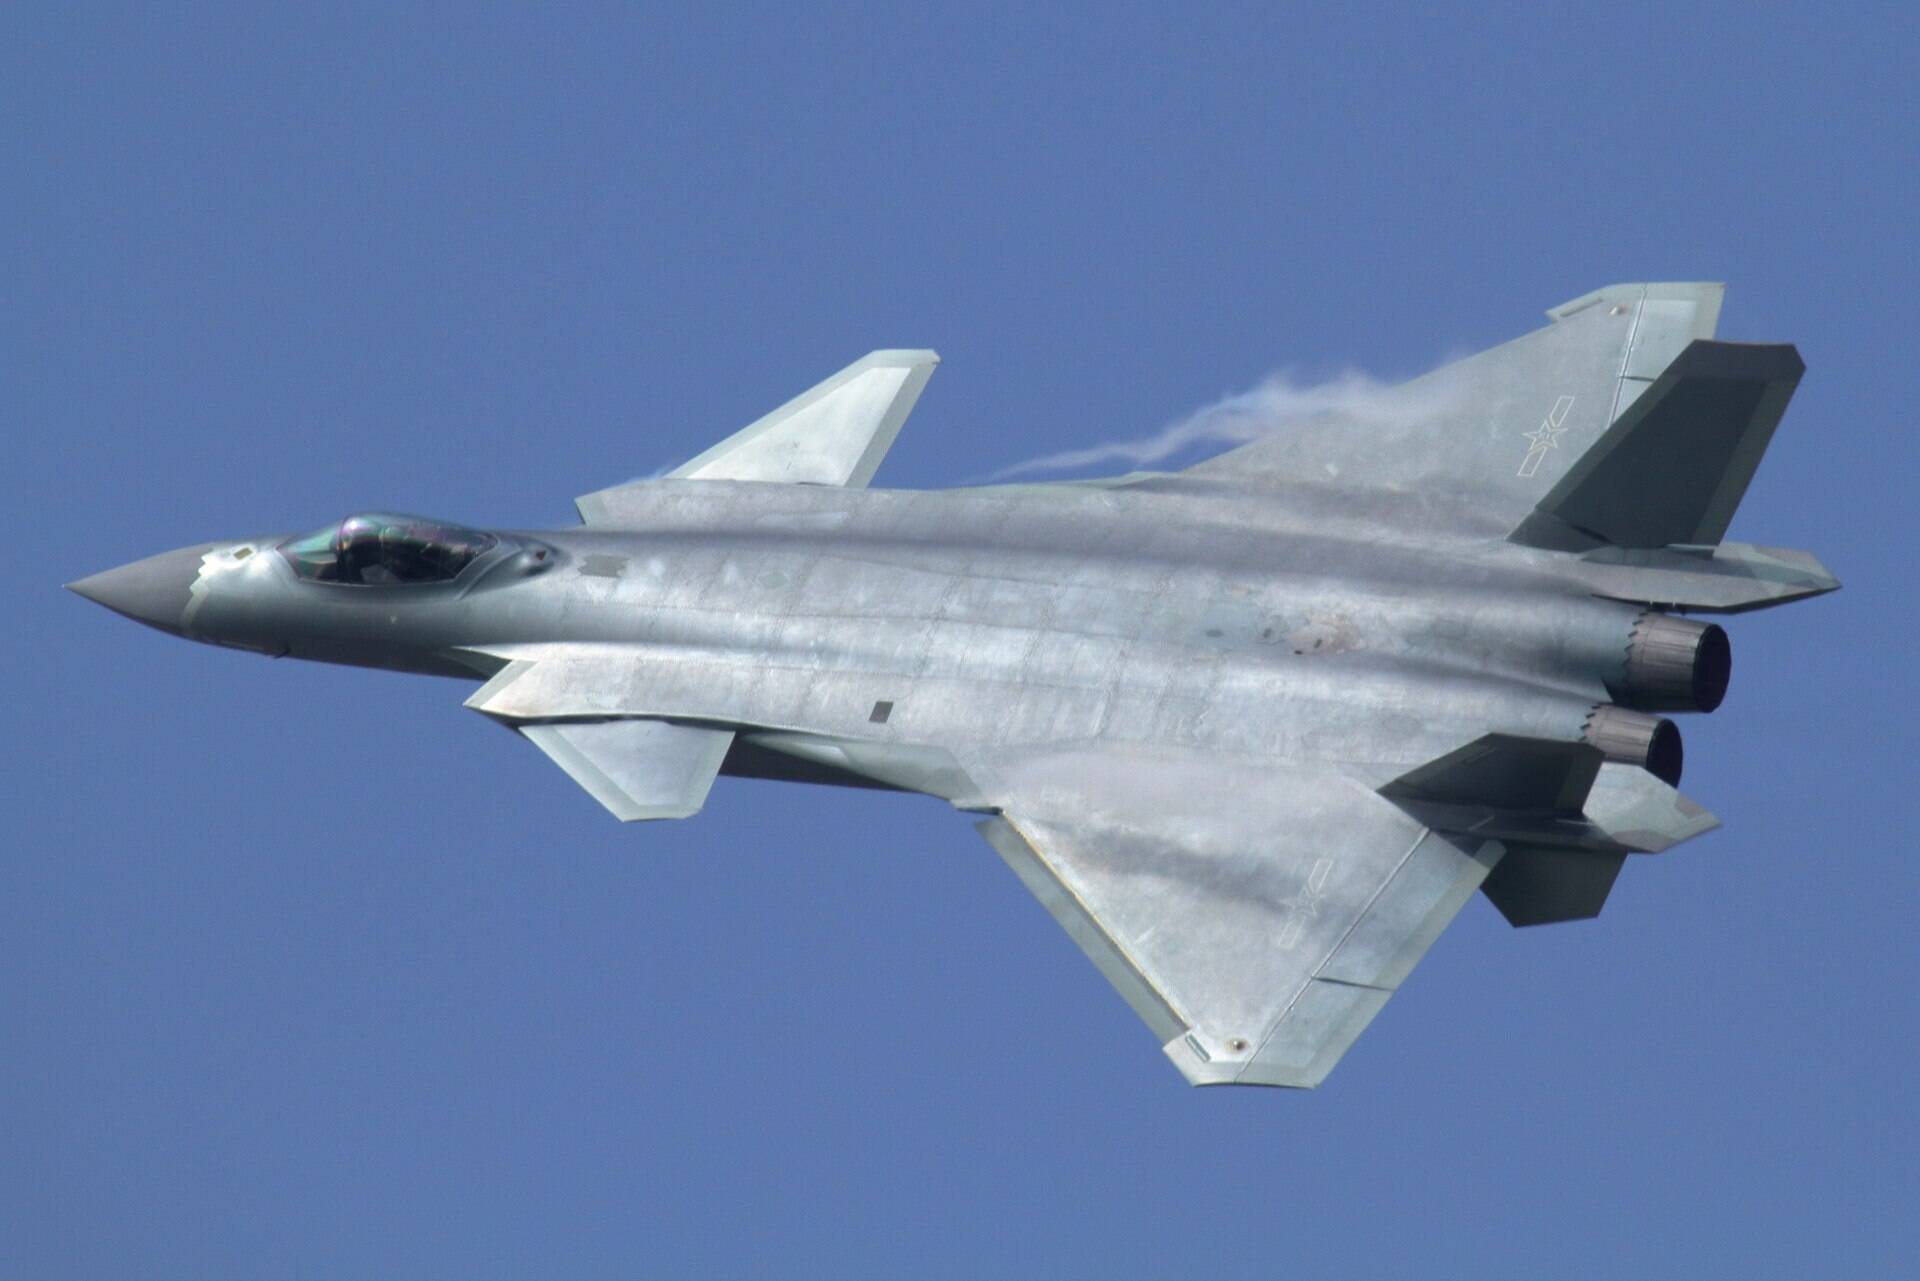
(1253, 731)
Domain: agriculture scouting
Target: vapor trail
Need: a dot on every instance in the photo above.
(1277, 403)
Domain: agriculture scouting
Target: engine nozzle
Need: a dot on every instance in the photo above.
(1634, 738)
(1674, 665)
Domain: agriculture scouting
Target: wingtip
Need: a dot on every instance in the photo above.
(1702, 291)
(909, 356)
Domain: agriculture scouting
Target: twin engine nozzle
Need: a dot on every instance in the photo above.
(1673, 665)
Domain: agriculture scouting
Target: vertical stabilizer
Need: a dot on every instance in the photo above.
(1673, 467)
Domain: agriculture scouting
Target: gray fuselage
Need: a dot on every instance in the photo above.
(1145, 610)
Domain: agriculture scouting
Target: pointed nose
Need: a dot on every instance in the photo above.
(153, 591)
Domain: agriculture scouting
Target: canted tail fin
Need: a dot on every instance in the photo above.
(1674, 466)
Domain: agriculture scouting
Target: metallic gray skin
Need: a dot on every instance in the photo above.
(1253, 732)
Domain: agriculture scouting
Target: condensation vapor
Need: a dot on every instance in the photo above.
(1276, 404)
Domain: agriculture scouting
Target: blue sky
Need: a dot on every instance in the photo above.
(311, 972)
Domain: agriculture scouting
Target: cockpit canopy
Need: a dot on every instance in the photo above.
(380, 548)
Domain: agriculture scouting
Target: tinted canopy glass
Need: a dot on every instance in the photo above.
(378, 548)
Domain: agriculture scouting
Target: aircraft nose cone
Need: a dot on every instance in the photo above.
(151, 591)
